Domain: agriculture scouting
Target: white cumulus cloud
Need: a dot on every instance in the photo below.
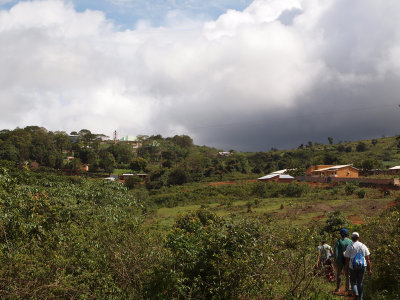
(250, 79)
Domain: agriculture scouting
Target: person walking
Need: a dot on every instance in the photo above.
(340, 261)
(324, 261)
(357, 261)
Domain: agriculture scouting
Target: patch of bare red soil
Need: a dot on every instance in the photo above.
(355, 219)
(391, 204)
(318, 217)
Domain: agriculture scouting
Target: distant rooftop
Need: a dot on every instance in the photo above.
(128, 138)
(281, 176)
(334, 168)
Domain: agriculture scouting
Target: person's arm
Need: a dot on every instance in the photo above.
(335, 253)
(319, 255)
(369, 267)
(336, 250)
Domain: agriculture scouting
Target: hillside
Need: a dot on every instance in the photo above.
(73, 237)
(176, 160)
(198, 227)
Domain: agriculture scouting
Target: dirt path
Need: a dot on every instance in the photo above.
(318, 217)
(343, 294)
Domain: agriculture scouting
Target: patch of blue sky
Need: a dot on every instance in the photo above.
(155, 10)
(126, 14)
(7, 4)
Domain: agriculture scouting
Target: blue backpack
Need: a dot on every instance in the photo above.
(359, 262)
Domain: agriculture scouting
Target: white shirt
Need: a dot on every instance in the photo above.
(355, 248)
(325, 250)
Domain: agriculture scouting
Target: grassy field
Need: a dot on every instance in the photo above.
(313, 207)
(121, 171)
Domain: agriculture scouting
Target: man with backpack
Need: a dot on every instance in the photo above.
(357, 261)
(340, 261)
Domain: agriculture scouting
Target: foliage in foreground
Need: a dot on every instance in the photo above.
(69, 237)
(382, 235)
(69, 240)
(213, 258)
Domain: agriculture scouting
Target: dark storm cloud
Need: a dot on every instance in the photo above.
(344, 115)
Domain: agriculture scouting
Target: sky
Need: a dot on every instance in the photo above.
(233, 74)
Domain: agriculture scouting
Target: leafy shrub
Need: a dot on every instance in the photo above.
(336, 220)
(215, 258)
(260, 190)
(382, 237)
(361, 193)
(178, 176)
(293, 190)
(350, 188)
(132, 181)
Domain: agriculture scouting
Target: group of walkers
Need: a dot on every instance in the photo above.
(350, 257)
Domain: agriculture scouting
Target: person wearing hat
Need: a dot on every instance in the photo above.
(340, 261)
(357, 274)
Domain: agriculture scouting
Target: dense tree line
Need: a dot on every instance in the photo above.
(177, 160)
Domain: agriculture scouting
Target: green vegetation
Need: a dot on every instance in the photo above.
(198, 227)
(176, 160)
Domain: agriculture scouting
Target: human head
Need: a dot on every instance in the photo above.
(355, 236)
(344, 232)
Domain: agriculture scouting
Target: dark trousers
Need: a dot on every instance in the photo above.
(356, 281)
(339, 271)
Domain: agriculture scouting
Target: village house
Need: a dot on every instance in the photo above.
(131, 140)
(340, 171)
(225, 154)
(277, 176)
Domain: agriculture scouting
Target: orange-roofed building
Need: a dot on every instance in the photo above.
(340, 171)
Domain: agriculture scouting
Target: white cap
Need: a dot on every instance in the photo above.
(355, 235)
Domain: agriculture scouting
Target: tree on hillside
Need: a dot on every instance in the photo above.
(361, 147)
(330, 139)
(178, 176)
(183, 141)
(8, 152)
(107, 161)
(123, 152)
(22, 140)
(330, 158)
(368, 164)
(138, 164)
(61, 140)
(341, 148)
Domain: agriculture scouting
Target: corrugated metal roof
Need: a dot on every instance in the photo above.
(281, 176)
(128, 138)
(334, 168)
(268, 176)
(280, 171)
